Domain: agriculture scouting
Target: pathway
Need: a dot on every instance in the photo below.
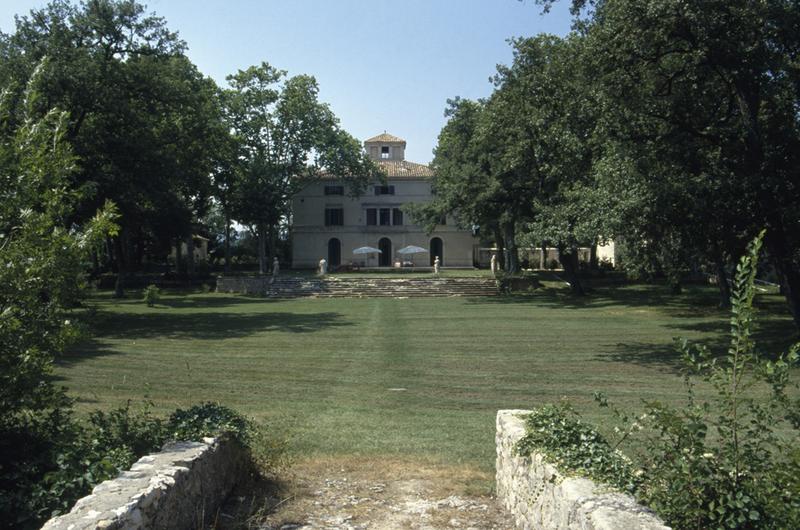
(374, 494)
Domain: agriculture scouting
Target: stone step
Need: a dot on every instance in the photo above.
(333, 287)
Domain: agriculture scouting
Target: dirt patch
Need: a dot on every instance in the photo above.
(376, 494)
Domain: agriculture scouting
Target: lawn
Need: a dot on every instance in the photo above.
(418, 378)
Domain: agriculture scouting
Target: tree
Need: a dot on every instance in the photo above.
(285, 135)
(142, 118)
(552, 111)
(462, 188)
(42, 252)
(478, 179)
(703, 97)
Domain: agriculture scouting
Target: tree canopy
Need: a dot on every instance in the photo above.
(285, 138)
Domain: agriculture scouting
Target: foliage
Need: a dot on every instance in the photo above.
(41, 251)
(81, 455)
(142, 121)
(554, 108)
(725, 463)
(700, 111)
(473, 182)
(284, 136)
(209, 419)
(557, 432)
(151, 295)
(730, 462)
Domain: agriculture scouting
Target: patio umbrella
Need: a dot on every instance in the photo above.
(411, 249)
(366, 250)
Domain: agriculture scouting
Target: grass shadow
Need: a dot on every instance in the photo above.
(192, 300)
(772, 337)
(194, 326)
(211, 325)
(662, 356)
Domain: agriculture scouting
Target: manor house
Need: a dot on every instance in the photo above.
(329, 224)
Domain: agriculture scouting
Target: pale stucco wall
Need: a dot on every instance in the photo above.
(310, 236)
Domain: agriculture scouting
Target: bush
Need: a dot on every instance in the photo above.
(55, 460)
(558, 433)
(209, 419)
(151, 295)
(724, 463)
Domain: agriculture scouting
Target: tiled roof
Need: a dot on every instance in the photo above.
(404, 169)
(394, 169)
(385, 138)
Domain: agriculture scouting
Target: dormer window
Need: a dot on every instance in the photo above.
(384, 151)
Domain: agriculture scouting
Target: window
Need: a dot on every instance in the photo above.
(384, 151)
(397, 217)
(384, 190)
(334, 190)
(372, 216)
(442, 220)
(384, 216)
(334, 216)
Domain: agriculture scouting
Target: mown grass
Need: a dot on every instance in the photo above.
(419, 378)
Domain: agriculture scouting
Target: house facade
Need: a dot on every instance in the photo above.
(328, 224)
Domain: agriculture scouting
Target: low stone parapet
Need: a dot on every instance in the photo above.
(540, 497)
(244, 284)
(178, 488)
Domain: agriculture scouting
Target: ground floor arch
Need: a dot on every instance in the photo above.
(437, 249)
(334, 252)
(385, 257)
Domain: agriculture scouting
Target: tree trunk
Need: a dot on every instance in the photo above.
(262, 250)
(178, 256)
(569, 260)
(121, 247)
(512, 259)
(674, 282)
(110, 254)
(593, 262)
(782, 260)
(722, 282)
(95, 264)
(273, 251)
(501, 249)
(543, 257)
(227, 243)
(190, 256)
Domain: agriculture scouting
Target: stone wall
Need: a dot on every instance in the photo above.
(244, 284)
(177, 488)
(539, 497)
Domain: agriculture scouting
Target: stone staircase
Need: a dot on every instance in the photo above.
(333, 287)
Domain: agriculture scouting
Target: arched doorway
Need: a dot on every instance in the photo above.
(385, 257)
(437, 249)
(334, 252)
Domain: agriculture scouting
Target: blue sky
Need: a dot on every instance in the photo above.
(381, 65)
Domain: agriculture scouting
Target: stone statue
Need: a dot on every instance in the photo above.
(323, 267)
(276, 266)
(494, 264)
(436, 266)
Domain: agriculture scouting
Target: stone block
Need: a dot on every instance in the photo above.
(539, 497)
(178, 488)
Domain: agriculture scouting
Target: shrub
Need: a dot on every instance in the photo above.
(55, 460)
(209, 419)
(151, 295)
(723, 463)
(557, 432)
